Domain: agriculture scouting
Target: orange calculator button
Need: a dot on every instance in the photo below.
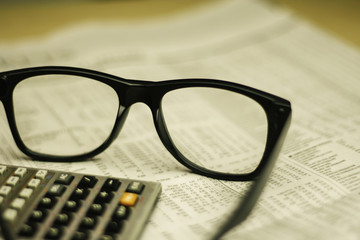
(128, 199)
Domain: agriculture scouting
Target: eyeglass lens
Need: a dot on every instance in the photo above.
(216, 129)
(64, 115)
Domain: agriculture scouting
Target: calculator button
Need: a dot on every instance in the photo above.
(41, 174)
(128, 199)
(104, 197)
(38, 215)
(79, 193)
(63, 218)
(5, 190)
(120, 213)
(10, 214)
(18, 203)
(56, 190)
(2, 169)
(135, 187)
(54, 233)
(64, 178)
(80, 235)
(71, 205)
(88, 222)
(1, 199)
(34, 183)
(114, 226)
(13, 180)
(28, 230)
(20, 172)
(111, 184)
(88, 182)
(47, 202)
(26, 192)
(96, 209)
(107, 237)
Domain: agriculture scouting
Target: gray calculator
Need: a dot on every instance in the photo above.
(46, 204)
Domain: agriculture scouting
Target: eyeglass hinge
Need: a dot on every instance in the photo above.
(3, 87)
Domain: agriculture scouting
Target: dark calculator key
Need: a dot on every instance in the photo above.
(107, 237)
(96, 209)
(80, 193)
(135, 187)
(38, 215)
(80, 235)
(54, 232)
(64, 178)
(56, 190)
(71, 205)
(121, 212)
(111, 184)
(47, 202)
(88, 182)
(88, 223)
(104, 197)
(63, 218)
(114, 227)
(28, 229)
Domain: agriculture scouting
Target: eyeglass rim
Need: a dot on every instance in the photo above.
(277, 110)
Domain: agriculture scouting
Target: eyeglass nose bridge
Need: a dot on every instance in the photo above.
(149, 95)
(131, 95)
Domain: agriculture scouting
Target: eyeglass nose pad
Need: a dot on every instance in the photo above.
(161, 127)
(120, 120)
(163, 132)
(165, 138)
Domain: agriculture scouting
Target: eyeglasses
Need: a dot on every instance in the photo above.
(215, 128)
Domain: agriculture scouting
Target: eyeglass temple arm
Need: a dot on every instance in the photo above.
(245, 205)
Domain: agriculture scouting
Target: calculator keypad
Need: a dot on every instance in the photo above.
(40, 204)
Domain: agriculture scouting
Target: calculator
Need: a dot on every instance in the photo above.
(46, 204)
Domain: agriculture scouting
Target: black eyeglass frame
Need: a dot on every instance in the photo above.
(277, 110)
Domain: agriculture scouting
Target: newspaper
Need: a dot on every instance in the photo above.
(314, 190)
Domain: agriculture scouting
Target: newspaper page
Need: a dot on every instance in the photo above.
(314, 189)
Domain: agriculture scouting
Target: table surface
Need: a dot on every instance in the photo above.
(40, 17)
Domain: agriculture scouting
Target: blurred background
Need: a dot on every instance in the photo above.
(25, 19)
